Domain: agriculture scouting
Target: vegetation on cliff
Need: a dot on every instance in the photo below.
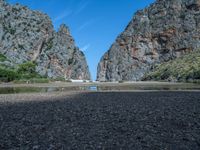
(165, 30)
(27, 35)
(183, 69)
(23, 72)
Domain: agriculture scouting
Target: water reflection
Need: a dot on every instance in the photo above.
(101, 87)
(92, 88)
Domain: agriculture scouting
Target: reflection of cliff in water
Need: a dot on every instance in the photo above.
(101, 87)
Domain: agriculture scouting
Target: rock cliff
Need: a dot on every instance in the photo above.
(164, 31)
(27, 35)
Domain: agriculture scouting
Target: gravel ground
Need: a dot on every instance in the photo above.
(111, 120)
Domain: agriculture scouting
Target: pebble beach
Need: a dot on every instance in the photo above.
(100, 120)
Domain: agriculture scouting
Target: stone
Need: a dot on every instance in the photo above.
(27, 35)
(165, 30)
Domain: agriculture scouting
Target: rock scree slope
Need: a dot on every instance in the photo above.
(27, 35)
(161, 32)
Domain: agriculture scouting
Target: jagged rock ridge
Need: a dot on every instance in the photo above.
(165, 30)
(27, 35)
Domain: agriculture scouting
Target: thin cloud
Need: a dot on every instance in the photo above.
(86, 47)
(62, 16)
(85, 25)
(81, 7)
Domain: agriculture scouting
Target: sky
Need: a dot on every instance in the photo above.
(94, 24)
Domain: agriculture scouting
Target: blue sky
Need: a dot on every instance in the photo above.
(94, 24)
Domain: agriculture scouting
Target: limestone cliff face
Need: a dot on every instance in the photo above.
(27, 35)
(165, 30)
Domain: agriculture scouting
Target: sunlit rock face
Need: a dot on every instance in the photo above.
(163, 31)
(27, 35)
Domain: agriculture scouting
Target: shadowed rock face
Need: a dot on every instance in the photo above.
(27, 35)
(165, 30)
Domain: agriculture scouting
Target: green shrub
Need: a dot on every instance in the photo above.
(40, 80)
(34, 80)
(49, 44)
(70, 61)
(2, 57)
(12, 31)
(29, 76)
(181, 69)
(27, 68)
(7, 75)
(26, 72)
(9, 29)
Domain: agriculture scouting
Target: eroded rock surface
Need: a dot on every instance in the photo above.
(165, 30)
(27, 35)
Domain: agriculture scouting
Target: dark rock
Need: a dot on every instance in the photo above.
(111, 120)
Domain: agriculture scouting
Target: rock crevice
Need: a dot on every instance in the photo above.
(27, 35)
(161, 32)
